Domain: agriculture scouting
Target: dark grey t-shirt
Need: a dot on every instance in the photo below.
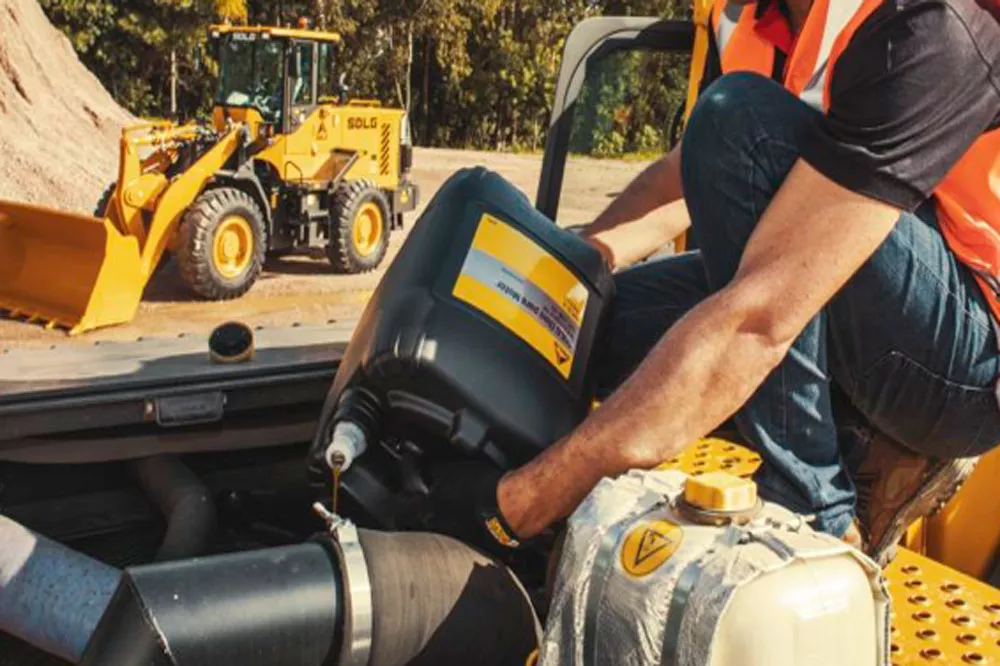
(918, 84)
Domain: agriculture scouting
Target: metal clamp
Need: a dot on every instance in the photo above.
(358, 606)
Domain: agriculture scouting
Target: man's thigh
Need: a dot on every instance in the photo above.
(913, 346)
(649, 298)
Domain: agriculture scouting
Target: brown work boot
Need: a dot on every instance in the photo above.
(895, 488)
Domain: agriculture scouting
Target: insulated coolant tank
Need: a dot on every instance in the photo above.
(482, 332)
(661, 568)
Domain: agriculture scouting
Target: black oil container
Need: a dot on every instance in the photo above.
(481, 333)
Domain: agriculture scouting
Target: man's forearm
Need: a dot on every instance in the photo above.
(628, 243)
(658, 185)
(716, 353)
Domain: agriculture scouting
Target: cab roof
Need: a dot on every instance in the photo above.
(270, 31)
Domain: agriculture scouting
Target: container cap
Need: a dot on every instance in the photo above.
(719, 491)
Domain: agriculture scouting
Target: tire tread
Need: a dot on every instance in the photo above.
(197, 230)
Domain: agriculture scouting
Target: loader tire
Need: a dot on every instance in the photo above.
(222, 244)
(102, 203)
(359, 228)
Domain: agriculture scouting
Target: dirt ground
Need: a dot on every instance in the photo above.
(305, 290)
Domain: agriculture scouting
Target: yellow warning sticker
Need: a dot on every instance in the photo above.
(648, 545)
(513, 280)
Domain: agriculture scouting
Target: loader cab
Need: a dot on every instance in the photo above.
(274, 76)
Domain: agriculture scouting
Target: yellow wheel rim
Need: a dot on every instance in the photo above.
(367, 231)
(233, 246)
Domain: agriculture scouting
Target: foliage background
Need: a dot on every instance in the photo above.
(478, 73)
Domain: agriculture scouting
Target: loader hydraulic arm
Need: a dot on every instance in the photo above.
(143, 184)
(175, 196)
(142, 180)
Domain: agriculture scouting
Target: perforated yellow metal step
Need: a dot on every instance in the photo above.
(940, 616)
(714, 455)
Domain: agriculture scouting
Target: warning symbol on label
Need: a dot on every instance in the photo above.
(561, 354)
(649, 545)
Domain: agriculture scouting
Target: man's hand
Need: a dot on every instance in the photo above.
(464, 506)
(810, 241)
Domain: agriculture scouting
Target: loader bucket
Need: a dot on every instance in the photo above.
(67, 270)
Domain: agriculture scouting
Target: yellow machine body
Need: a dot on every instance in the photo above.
(965, 534)
(278, 32)
(321, 146)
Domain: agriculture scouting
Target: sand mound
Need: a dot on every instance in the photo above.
(59, 128)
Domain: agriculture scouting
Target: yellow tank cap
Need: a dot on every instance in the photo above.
(720, 491)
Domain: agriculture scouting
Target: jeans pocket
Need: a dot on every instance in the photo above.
(926, 412)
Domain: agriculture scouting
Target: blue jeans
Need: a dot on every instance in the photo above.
(907, 345)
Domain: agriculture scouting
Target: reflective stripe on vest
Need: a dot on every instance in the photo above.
(726, 20)
(838, 15)
(968, 199)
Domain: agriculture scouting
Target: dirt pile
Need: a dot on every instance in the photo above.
(59, 128)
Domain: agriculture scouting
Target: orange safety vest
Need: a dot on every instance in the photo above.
(968, 199)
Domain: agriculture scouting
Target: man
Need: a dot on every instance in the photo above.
(841, 178)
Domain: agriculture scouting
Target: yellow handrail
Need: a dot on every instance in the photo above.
(699, 57)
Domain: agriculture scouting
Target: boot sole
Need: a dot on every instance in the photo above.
(940, 485)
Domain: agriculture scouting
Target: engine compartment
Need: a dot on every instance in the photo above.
(476, 345)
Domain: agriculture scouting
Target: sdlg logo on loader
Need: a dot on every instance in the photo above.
(361, 123)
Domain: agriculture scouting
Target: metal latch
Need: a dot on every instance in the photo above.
(184, 410)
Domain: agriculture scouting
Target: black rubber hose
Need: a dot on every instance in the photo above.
(184, 501)
(438, 601)
(435, 601)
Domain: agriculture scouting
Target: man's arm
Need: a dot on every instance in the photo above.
(650, 212)
(810, 241)
(639, 221)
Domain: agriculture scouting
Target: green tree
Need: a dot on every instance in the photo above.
(128, 46)
(474, 73)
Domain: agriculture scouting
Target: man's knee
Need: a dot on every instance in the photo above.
(734, 115)
(721, 119)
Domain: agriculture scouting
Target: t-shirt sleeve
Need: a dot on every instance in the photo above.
(908, 97)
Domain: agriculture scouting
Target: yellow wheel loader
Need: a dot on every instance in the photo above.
(288, 162)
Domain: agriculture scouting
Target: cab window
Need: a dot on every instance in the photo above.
(301, 84)
(327, 86)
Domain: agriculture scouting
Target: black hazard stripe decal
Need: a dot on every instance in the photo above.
(493, 273)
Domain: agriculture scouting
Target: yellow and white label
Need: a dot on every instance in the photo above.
(648, 545)
(510, 278)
